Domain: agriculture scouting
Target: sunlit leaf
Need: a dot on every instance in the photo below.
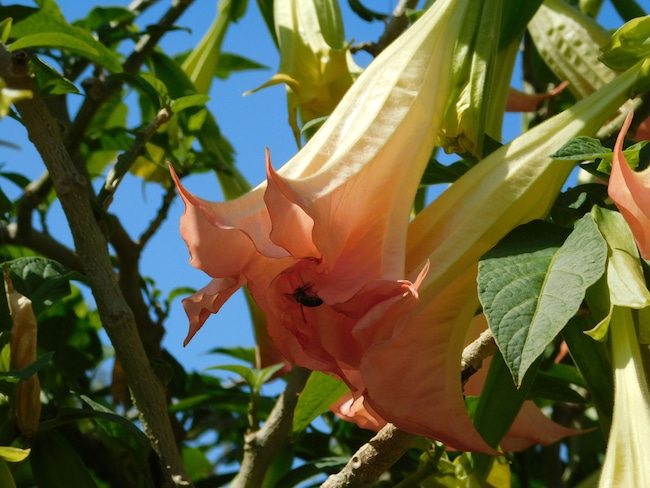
(13, 454)
(531, 287)
(320, 392)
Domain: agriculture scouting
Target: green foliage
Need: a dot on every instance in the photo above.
(531, 288)
(321, 391)
(43, 29)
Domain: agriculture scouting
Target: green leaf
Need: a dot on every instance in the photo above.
(100, 16)
(548, 387)
(189, 101)
(247, 373)
(197, 465)
(327, 465)
(320, 392)
(498, 406)
(625, 278)
(30, 370)
(49, 81)
(47, 28)
(530, 288)
(255, 378)
(246, 354)
(55, 463)
(42, 280)
(628, 45)
(582, 148)
(78, 44)
(13, 454)
(590, 357)
(5, 29)
(229, 63)
(515, 15)
(154, 89)
(6, 478)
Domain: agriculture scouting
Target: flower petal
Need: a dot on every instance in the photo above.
(532, 427)
(413, 379)
(630, 191)
(207, 301)
(519, 101)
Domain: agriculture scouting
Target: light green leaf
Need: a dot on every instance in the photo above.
(582, 148)
(188, 101)
(5, 29)
(74, 44)
(13, 454)
(50, 81)
(247, 373)
(320, 392)
(229, 63)
(628, 45)
(47, 28)
(531, 293)
(625, 279)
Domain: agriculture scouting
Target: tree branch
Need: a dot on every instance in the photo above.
(474, 355)
(91, 245)
(372, 459)
(41, 243)
(161, 215)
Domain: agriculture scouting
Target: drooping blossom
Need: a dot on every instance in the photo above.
(315, 61)
(630, 191)
(321, 244)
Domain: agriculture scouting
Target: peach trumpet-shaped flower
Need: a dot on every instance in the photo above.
(630, 191)
(321, 244)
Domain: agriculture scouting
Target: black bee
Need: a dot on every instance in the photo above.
(302, 296)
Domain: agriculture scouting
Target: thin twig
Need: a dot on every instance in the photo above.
(126, 159)
(91, 245)
(43, 244)
(394, 27)
(161, 215)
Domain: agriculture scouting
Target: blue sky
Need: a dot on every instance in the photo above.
(251, 123)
